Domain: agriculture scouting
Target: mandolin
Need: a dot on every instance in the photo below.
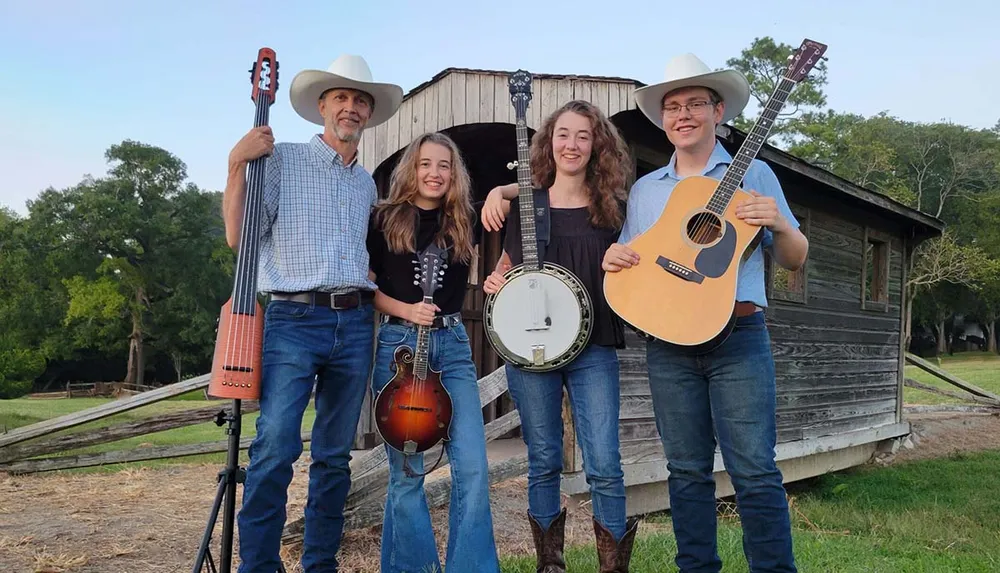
(683, 291)
(413, 411)
(238, 344)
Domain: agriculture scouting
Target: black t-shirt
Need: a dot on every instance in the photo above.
(394, 273)
(579, 246)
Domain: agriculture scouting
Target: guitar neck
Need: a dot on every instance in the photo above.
(751, 147)
(423, 345)
(245, 285)
(525, 197)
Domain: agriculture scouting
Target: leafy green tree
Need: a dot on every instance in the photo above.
(764, 63)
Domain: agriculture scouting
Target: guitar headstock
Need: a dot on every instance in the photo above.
(520, 91)
(804, 60)
(431, 263)
(264, 76)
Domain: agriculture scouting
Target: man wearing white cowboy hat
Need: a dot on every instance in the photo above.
(729, 392)
(319, 324)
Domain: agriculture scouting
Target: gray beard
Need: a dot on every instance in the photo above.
(347, 137)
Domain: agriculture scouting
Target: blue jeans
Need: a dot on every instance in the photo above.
(734, 387)
(593, 385)
(408, 544)
(302, 341)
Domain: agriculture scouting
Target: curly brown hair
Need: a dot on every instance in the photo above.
(397, 215)
(607, 168)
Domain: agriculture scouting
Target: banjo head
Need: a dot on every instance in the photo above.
(540, 319)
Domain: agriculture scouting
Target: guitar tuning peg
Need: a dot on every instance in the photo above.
(511, 164)
(416, 283)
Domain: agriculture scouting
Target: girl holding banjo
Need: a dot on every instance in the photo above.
(429, 207)
(579, 157)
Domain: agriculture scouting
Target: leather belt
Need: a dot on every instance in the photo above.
(440, 321)
(746, 309)
(343, 301)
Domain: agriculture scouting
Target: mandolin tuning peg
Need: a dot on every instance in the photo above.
(416, 283)
(512, 165)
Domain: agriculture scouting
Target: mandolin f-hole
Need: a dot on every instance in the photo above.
(704, 228)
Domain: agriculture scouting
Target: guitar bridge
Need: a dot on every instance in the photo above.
(679, 270)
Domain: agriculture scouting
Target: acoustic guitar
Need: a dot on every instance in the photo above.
(239, 341)
(683, 291)
(413, 411)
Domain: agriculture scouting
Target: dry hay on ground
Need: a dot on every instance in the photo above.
(151, 520)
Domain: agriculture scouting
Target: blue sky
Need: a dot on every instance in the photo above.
(174, 74)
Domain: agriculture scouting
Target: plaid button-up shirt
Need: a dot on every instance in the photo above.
(314, 224)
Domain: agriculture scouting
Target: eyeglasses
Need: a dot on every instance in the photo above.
(695, 107)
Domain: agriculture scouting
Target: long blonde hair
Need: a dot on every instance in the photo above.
(397, 215)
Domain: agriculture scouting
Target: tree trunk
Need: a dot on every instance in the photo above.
(991, 336)
(942, 340)
(136, 360)
(176, 358)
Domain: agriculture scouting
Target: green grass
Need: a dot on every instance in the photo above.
(920, 517)
(26, 411)
(979, 368)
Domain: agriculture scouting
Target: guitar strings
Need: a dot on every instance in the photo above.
(705, 223)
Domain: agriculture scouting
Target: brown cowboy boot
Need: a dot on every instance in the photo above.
(549, 544)
(614, 557)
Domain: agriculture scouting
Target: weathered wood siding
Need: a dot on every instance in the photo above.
(837, 365)
(466, 97)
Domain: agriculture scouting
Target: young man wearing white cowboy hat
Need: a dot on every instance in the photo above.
(319, 324)
(729, 392)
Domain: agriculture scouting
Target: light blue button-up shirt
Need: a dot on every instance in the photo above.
(314, 224)
(649, 196)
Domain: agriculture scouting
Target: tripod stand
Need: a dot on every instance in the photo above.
(228, 478)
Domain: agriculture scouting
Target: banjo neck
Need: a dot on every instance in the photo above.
(520, 90)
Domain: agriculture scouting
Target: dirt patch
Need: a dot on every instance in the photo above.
(942, 434)
(151, 520)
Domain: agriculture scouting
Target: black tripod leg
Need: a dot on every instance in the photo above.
(235, 474)
(225, 499)
(203, 551)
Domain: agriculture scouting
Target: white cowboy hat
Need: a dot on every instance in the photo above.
(687, 70)
(347, 71)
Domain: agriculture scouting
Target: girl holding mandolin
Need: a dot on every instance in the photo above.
(421, 242)
(581, 160)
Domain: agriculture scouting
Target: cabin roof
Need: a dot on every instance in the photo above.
(921, 224)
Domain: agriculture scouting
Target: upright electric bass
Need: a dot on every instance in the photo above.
(413, 411)
(239, 341)
(683, 291)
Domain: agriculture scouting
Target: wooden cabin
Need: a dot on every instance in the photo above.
(836, 324)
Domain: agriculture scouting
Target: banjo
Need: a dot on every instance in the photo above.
(542, 316)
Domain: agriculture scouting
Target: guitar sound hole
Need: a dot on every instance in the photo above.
(704, 228)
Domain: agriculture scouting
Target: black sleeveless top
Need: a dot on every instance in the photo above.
(577, 245)
(394, 272)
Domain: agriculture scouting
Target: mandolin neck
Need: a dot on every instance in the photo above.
(245, 284)
(423, 348)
